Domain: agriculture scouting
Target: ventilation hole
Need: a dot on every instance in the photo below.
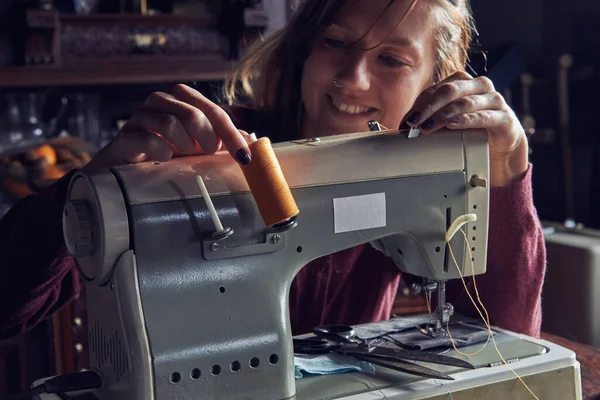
(438, 249)
(474, 228)
(175, 377)
(473, 259)
(445, 196)
(472, 248)
(475, 207)
(273, 359)
(216, 370)
(195, 374)
(222, 289)
(400, 252)
(299, 249)
(474, 238)
(255, 362)
(236, 366)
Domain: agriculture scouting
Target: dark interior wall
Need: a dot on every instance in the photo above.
(539, 25)
(6, 17)
(585, 30)
(510, 22)
(543, 30)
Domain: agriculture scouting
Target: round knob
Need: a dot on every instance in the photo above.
(77, 229)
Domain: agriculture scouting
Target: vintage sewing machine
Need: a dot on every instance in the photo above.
(177, 312)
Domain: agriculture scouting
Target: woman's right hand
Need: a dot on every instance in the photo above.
(183, 122)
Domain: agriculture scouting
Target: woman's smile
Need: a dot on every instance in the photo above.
(349, 115)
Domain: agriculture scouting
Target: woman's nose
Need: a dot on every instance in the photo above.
(355, 74)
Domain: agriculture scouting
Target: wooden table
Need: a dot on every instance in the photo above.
(589, 357)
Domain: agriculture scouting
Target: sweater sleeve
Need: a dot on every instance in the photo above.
(516, 263)
(37, 275)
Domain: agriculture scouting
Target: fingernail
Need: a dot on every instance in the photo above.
(414, 118)
(243, 156)
(428, 124)
(453, 120)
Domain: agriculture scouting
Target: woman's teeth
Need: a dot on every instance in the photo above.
(349, 108)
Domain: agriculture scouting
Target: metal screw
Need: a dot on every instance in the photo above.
(214, 247)
(77, 321)
(79, 347)
(276, 239)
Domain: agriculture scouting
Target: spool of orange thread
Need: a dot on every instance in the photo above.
(267, 183)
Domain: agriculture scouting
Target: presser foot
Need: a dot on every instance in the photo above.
(444, 310)
(438, 328)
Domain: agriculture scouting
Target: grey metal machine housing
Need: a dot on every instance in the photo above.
(177, 313)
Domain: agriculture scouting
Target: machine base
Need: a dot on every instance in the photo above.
(550, 371)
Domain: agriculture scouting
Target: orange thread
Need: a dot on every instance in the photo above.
(268, 185)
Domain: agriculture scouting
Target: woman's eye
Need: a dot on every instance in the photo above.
(334, 43)
(391, 61)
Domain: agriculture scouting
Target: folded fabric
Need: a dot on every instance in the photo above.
(378, 329)
(462, 334)
(327, 364)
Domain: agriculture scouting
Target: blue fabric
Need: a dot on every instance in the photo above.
(330, 363)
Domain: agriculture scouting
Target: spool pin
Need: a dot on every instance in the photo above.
(267, 183)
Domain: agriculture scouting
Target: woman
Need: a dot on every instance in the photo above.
(336, 66)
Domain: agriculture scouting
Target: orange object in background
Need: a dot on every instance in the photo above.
(37, 168)
(45, 151)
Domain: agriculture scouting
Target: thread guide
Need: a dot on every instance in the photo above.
(214, 246)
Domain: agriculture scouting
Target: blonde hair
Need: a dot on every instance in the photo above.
(269, 75)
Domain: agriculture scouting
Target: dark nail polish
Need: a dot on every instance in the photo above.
(414, 118)
(243, 156)
(453, 120)
(403, 125)
(428, 124)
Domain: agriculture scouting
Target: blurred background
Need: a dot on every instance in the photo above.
(72, 71)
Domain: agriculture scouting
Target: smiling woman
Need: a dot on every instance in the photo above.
(361, 57)
(337, 65)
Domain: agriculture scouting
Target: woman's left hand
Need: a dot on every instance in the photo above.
(464, 102)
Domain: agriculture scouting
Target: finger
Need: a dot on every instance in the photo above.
(224, 128)
(194, 122)
(485, 119)
(464, 105)
(166, 125)
(431, 101)
(135, 145)
(413, 116)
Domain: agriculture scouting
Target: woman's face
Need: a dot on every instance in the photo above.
(380, 83)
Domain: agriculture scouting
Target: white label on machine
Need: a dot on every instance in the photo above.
(359, 212)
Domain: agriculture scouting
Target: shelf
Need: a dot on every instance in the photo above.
(206, 19)
(110, 73)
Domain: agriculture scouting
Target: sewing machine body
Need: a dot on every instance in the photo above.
(175, 313)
